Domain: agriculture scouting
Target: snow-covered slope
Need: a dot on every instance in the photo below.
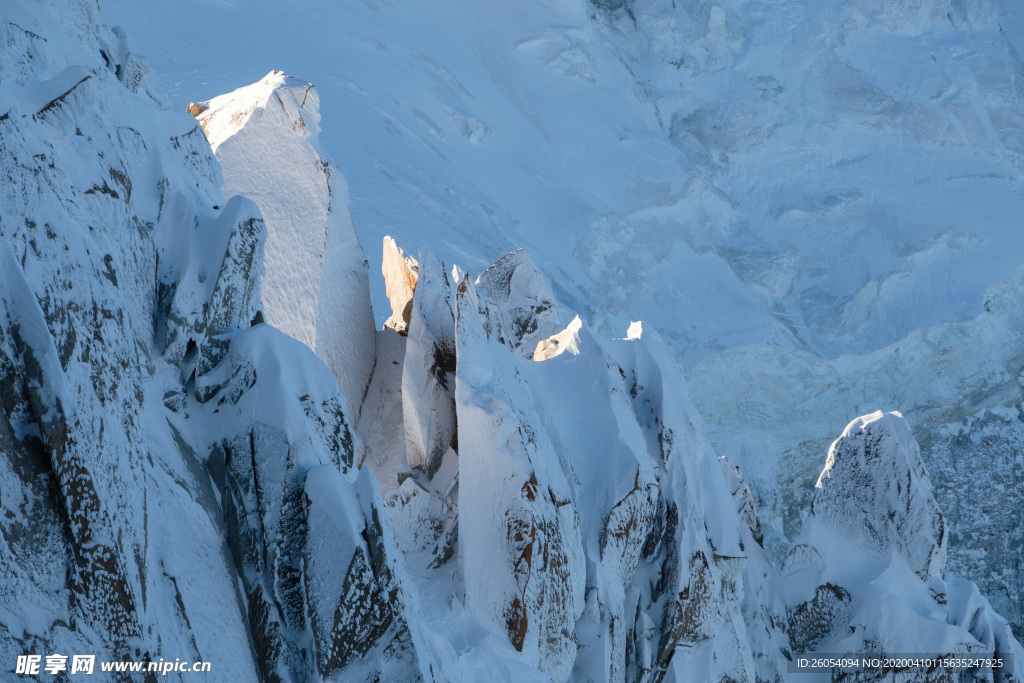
(704, 167)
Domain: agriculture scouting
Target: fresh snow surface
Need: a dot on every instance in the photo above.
(823, 175)
(315, 287)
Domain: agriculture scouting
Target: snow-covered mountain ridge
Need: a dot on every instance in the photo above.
(522, 496)
(812, 197)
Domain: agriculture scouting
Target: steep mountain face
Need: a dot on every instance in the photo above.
(517, 497)
(173, 479)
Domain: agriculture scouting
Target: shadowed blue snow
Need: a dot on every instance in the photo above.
(828, 176)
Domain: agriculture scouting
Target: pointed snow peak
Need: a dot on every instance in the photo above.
(316, 286)
(225, 115)
(514, 279)
(520, 309)
(874, 490)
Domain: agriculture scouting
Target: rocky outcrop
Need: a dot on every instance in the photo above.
(743, 497)
(591, 460)
(867, 573)
(875, 467)
(307, 531)
(198, 312)
(401, 273)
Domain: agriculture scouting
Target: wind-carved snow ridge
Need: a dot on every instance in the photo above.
(315, 287)
(867, 572)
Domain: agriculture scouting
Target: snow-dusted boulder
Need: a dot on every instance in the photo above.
(316, 286)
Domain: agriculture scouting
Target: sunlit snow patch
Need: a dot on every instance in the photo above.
(557, 344)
